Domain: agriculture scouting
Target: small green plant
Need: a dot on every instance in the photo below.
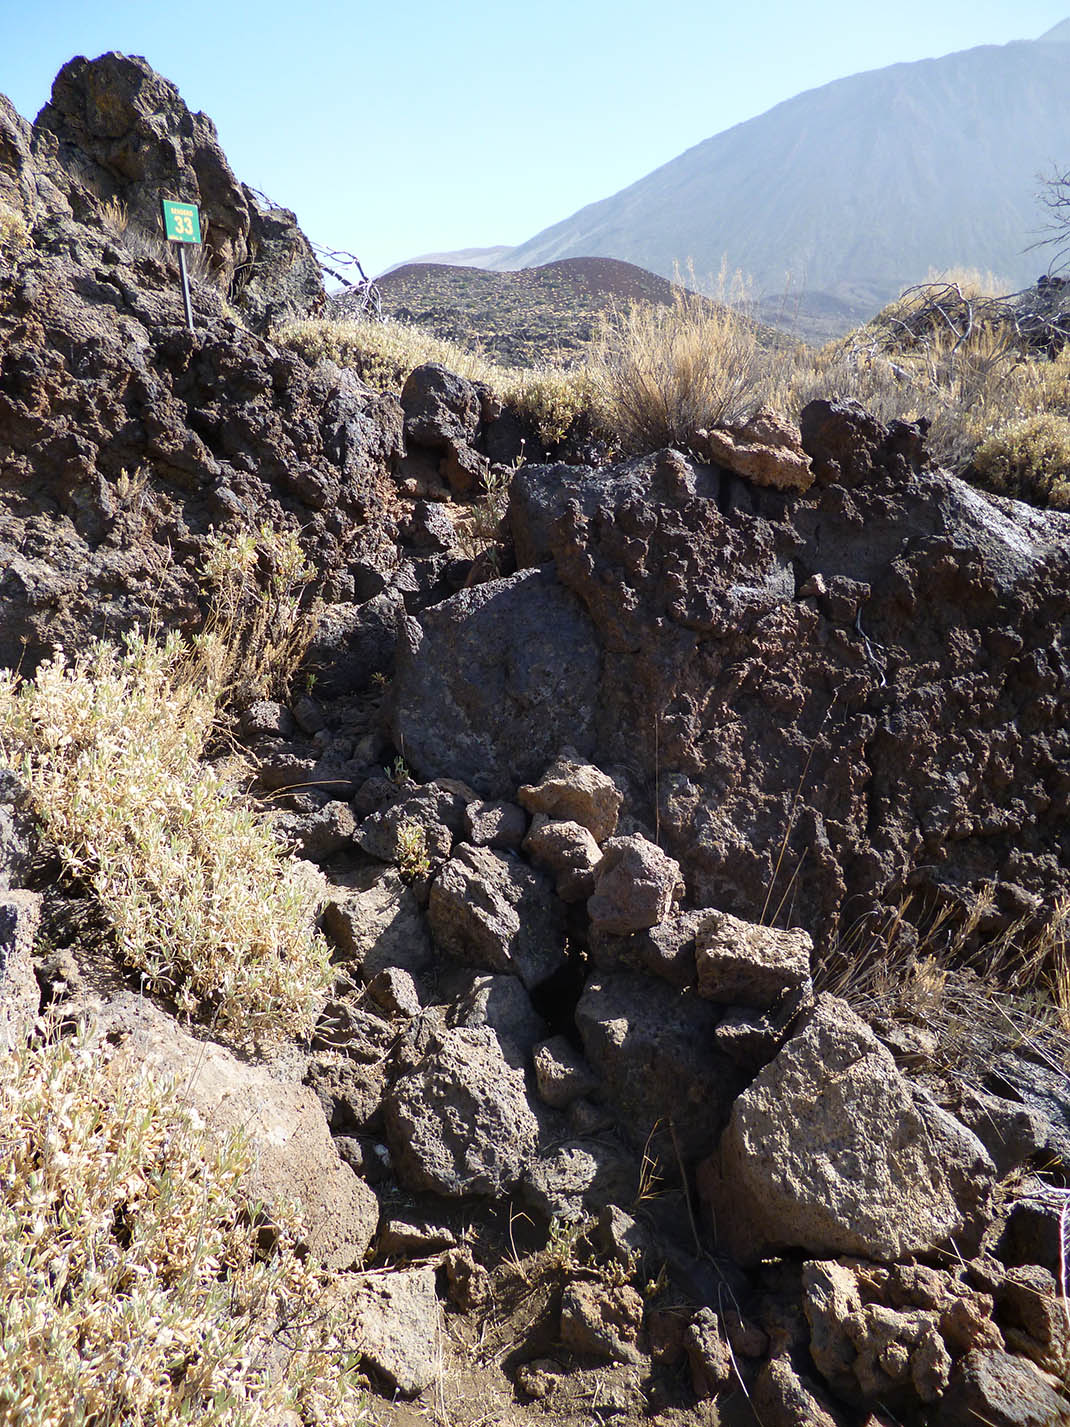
(189, 878)
(133, 1285)
(414, 862)
(399, 772)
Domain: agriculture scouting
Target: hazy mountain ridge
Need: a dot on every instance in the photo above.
(854, 189)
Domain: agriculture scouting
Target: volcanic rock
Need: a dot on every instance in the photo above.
(830, 1152)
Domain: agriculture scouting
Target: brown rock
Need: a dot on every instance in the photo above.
(635, 886)
(397, 1326)
(1001, 1390)
(568, 851)
(602, 1320)
(743, 964)
(575, 791)
(831, 1152)
(767, 450)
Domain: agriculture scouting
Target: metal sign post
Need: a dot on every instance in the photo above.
(182, 225)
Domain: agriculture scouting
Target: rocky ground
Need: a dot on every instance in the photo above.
(669, 839)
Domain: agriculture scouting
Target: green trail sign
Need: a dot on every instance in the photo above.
(181, 221)
(182, 224)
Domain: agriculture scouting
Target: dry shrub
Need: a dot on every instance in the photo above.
(661, 372)
(552, 401)
(1029, 459)
(14, 231)
(196, 892)
(132, 1288)
(262, 617)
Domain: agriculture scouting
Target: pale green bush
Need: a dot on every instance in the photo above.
(197, 894)
(133, 1292)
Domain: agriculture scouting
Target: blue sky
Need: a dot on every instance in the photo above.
(413, 127)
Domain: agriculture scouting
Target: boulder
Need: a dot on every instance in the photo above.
(568, 852)
(459, 1122)
(578, 1178)
(397, 1326)
(830, 1151)
(766, 449)
(784, 1397)
(495, 912)
(502, 1004)
(635, 884)
(560, 1074)
(375, 922)
(294, 1159)
(117, 129)
(493, 681)
(602, 1320)
(498, 825)
(654, 1052)
(742, 964)
(574, 791)
(1002, 1390)
(666, 950)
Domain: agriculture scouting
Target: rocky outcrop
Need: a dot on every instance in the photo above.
(766, 673)
(114, 131)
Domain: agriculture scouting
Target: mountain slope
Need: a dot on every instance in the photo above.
(858, 187)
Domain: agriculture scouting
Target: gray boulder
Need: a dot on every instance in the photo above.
(653, 1049)
(459, 1122)
(502, 1004)
(634, 886)
(497, 913)
(743, 964)
(398, 1326)
(493, 681)
(375, 921)
(578, 1178)
(831, 1151)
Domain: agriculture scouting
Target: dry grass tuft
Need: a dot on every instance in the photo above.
(198, 896)
(383, 354)
(262, 617)
(659, 373)
(14, 231)
(132, 1288)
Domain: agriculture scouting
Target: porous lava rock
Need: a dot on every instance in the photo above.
(459, 1122)
(492, 682)
(766, 449)
(831, 1151)
(497, 913)
(783, 742)
(574, 791)
(115, 130)
(635, 884)
(125, 440)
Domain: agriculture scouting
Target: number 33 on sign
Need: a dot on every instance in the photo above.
(181, 221)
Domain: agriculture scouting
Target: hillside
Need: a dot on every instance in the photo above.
(855, 189)
(549, 313)
(502, 928)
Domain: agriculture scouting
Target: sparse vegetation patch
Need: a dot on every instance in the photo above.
(198, 896)
(132, 1286)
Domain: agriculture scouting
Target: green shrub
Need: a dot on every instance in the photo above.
(196, 892)
(133, 1292)
(1029, 459)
